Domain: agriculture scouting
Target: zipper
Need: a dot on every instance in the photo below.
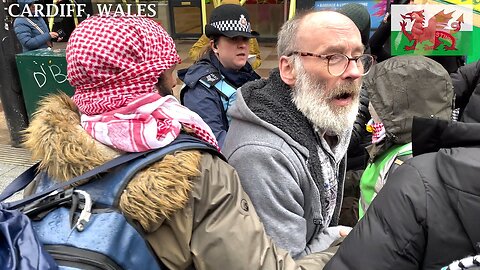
(97, 261)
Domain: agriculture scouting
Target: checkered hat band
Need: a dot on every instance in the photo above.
(232, 25)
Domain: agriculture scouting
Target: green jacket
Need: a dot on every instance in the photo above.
(376, 173)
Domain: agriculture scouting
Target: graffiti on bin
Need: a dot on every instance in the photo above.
(52, 70)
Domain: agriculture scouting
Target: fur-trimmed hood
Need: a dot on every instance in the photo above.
(65, 150)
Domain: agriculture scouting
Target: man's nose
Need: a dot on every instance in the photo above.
(352, 72)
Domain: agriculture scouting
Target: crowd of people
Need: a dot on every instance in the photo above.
(277, 200)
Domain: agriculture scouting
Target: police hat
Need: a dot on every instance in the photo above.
(229, 20)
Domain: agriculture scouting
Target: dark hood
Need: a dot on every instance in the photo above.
(458, 166)
(406, 86)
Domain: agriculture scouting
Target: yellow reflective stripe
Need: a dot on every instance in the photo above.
(50, 23)
(291, 11)
(204, 14)
(75, 17)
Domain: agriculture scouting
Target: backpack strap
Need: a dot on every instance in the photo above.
(182, 142)
(108, 191)
(20, 182)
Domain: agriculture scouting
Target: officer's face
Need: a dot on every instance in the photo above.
(232, 52)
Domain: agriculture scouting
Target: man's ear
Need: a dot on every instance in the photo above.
(287, 71)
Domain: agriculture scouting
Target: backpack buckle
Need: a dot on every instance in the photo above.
(84, 217)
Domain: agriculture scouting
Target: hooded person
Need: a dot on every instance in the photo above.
(212, 82)
(426, 215)
(190, 206)
(399, 89)
(31, 30)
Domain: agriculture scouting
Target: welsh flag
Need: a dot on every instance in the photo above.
(432, 29)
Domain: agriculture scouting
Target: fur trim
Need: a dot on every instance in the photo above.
(158, 191)
(56, 138)
(65, 150)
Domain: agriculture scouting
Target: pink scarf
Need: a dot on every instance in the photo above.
(149, 122)
(114, 64)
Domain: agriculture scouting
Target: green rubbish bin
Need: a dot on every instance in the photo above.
(42, 72)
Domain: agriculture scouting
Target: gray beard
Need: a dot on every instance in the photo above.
(310, 97)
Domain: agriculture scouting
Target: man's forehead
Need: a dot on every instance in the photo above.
(326, 19)
(331, 40)
(341, 47)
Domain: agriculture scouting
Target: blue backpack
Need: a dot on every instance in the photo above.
(82, 227)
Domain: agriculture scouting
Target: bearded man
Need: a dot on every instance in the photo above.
(290, 132)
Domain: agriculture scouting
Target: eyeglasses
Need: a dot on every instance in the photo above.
(338, 63)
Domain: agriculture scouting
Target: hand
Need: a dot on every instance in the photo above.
(59, 39)
(345, 231)
(53, 34)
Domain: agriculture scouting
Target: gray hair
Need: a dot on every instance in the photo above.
(287, 35)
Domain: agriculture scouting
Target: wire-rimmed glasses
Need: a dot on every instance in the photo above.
(337, 63)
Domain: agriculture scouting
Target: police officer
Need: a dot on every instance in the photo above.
(211, 83)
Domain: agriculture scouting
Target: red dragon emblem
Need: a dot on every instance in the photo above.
(435, 32)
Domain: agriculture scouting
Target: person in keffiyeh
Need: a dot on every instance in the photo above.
(116, 82)
(190, 206)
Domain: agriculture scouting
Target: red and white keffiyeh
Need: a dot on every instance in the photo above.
(149, 122)
(114, 63)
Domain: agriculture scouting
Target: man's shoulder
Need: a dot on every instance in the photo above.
(250, 134)
(259, 143)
